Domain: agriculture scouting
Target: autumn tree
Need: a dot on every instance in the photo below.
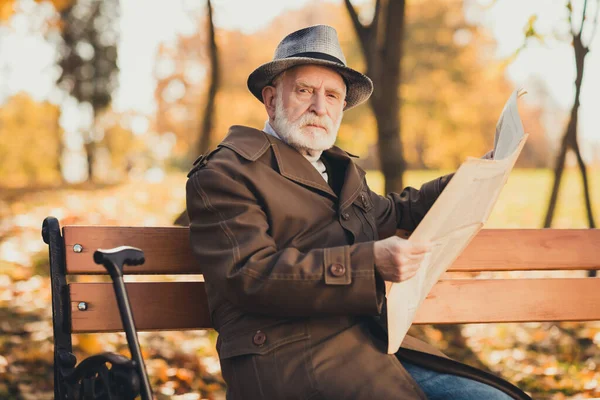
(449, 77)
(89, 59)
(204, 137)
(29, 142)
(180, 71)
(433, 74)
(182, 108)
(581, 48)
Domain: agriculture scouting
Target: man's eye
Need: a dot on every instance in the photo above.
(304, 90)
(333, 96)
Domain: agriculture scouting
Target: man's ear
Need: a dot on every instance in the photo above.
(268, 95)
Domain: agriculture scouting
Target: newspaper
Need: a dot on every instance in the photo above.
(509, 129)
(454, 219)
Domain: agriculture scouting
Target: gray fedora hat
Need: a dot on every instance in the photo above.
(316, 45)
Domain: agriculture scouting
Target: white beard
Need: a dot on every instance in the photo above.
(306, 139)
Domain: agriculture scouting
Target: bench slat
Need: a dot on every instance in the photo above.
(182, 305)
(512, 300)
(156, 306)
(531, 249)
(167, 249)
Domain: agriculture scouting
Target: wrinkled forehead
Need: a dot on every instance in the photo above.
(315, 76)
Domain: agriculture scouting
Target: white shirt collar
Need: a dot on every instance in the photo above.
(314, 160)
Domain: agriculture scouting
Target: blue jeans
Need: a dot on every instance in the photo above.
(438, 386)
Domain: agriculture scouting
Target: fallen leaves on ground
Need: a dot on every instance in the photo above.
(550, 361)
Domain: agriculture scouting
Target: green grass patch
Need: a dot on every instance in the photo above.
(524, 199)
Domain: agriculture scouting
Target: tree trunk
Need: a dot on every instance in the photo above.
(570, 137)
(570, 140)
(558, 171)
(381, 42)
(90, 150)
(389, 145)
(387, 111)
(61, 148)
(209, 110)
(586, 188)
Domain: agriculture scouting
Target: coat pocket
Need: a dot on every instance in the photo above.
(263, 340)
(273, 362)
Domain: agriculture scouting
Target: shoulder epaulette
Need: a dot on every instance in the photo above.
(201, 161)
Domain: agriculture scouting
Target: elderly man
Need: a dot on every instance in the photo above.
(295, 247)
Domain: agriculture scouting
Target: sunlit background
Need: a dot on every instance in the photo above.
(162, 65)
(101, 112)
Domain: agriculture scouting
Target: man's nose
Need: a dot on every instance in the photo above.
(318, 105)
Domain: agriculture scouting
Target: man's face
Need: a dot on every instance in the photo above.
(307, 107)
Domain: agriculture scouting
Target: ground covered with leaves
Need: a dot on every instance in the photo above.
(550, 361)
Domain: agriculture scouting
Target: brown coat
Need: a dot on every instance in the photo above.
(290, 276)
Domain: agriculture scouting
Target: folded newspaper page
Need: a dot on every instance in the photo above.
(509, 129)
(454, 219)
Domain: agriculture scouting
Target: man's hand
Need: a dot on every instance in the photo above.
(397, 259)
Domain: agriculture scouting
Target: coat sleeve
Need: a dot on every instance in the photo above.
(407, 209)
(229, 234)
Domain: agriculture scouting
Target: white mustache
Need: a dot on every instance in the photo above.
(312, 119)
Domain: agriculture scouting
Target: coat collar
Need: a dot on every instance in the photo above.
(353, 179)
(251, 144)
(248, 142)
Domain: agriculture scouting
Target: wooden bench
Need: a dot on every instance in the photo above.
(170, 305)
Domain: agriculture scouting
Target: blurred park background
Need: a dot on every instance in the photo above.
(105, 104)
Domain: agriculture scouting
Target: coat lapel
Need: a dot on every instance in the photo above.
(297, 168)
(353, 178)
(252, 144)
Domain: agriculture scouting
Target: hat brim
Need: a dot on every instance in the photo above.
(358, 86)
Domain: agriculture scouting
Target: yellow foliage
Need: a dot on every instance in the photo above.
(30, 142)
(123, 148)
(452, 90)
(59, 5)
(7, 7)
(90, 343)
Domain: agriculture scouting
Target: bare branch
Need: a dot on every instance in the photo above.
(376, 16)
(354, 16)
(583, 16)
(595, 24)
(570, 8)
(362, 31)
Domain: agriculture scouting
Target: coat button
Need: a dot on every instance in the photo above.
(259, 338)
(337, 269)
(346, 216)
(363, 199)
